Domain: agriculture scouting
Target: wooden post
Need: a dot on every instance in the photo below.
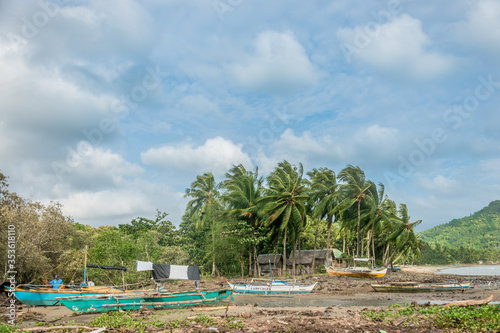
(123, 276)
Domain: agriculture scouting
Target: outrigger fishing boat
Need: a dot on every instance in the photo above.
(271, 286)
(31, 294)
(263, 286)
(419, 287)
(358, 271)
(150, 300)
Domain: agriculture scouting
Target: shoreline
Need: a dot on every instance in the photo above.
(340, 300)
(433, 269)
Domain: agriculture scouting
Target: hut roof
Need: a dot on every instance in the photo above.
(306, 256)
(265, 258)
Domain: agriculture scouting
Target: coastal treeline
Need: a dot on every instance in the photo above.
(225, 227)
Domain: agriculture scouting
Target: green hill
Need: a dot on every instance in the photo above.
(481, 230)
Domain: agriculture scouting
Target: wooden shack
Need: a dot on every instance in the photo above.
(265, 259)
(304, 260)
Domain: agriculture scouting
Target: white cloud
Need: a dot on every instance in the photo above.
(216, 155)
(440, 185)
(279, 64)
(198, 104)
(42, 109)
(482, 27)
(121, 205)
(372, 146)
(399, 48)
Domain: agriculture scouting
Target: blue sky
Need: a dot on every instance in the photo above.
(114, 107)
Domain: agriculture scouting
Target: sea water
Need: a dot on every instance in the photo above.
(473, 270)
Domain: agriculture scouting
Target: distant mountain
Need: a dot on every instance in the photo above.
(480, 230)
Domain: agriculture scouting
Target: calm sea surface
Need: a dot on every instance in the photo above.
(473, 270)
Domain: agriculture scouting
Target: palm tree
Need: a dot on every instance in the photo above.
(204, 205)
(354, 191)
(243, 189)
(283, 205)
(403, 238)
(324, 191)
(377, 212)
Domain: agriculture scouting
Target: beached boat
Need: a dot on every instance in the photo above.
(262, 286)
(46, 295)
(358, 271)
(418, 287)
(113, 302)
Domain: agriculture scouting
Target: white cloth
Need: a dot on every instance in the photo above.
(144, 266)
(178, 272)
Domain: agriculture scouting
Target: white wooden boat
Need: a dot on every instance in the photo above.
(262, 286)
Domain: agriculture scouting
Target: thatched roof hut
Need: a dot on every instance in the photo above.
(305, 257)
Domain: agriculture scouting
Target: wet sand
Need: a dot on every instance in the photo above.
(338, 299)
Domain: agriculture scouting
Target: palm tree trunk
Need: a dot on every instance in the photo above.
(315, 240)
(359, 224)
(284, 251)
(362, 240)
(294, 257)
(330, 218)
(343, 243)
(213, 251)
(250, 272)
(300, 257)
(373, 241)
(386, 253)
(368, 245)
(255, 258)
(276, 253)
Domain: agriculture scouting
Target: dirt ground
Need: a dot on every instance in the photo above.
(335, 305)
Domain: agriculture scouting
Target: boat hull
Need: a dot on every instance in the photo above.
(47, 296)
(113, 302)
(353, 273)
(416, 288)
(271, 288)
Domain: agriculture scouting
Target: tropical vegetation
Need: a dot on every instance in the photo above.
(480, 230)
(226, 225)
(484, 318)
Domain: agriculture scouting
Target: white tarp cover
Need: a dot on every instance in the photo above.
(144, 266)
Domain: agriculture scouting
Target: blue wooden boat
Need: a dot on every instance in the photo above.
(412, 287)
(46, 295)
(150, 300)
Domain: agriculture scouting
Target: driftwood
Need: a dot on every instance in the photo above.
(466, 303)
(212, 308)
(58, 328)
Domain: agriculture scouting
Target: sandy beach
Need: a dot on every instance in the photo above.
(334, 305)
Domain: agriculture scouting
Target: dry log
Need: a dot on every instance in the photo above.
(466, 303)
(57, 328)
(212, 308)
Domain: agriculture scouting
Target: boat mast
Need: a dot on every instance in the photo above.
(85, 267)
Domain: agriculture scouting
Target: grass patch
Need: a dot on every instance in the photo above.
(125, 320)
(485, 318)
